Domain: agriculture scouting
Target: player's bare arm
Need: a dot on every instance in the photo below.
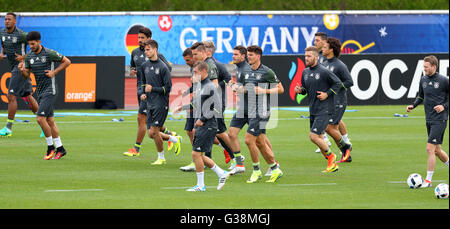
(65, 62)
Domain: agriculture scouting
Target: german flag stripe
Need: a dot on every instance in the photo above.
(132, 40)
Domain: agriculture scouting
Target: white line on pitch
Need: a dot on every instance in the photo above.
(186, 187)
(75, 190)
(175, 121)
(307, 184)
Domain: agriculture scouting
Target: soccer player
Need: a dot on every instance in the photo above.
(433, 92)
(41, 61)
(320, 84)
(223, 78)
(137, 59)
(14, 43)
(200, 54)
(207, 107)
(155, 89)
(331, 50)
(189, 126)
(240, 60)
(190, 121)
(319, 39)
(259, 81)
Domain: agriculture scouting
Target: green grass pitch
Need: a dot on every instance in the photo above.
(95, 174)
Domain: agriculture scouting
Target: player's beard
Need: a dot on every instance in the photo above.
(35, 48)
(10, 27)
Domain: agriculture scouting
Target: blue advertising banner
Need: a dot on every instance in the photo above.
(277, 34)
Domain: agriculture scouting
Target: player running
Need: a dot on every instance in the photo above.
(41, 62)
(200, 54)
(258, 82)
(331, 50)
(155, 88)
(223, 78)
(14, 43)
(138, 57)
(190, 121)
(320, 84)
(320, 38)
(433, 92)
(207, 108)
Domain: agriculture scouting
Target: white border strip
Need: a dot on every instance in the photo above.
(274, 12)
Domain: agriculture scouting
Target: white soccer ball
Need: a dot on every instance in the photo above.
(441, 191)
(415, 180)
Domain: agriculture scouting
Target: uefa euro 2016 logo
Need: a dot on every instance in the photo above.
(331, 21)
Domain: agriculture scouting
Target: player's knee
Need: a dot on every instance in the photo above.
(151, 134)
(141, 118)
(196, 155)
(11, 97)
(431, 149)
(438, 150)
(40, 120)
(313, 137)
(249, 140)
(232, 137)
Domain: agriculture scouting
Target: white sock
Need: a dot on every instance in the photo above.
(429, 175)
(173, 139)
(345, 137)
(49, 140)
(218, 170)
(161, 155)
(446, 163)
(58, 142)
(201, 179)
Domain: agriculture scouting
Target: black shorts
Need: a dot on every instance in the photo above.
(337, 114)
(142, 107)
(204, 139)
(18, 85)
(256, 126)
(46, 105)
(189, 126)
(435, 131)
(156, 117)
(221, 126)
(318, 123)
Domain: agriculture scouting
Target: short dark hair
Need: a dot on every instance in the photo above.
(335, 44)
(431, 59)
(187, 52)
(201, 65)
(146, 31)
(198, 46)
(12, 14)
(255, 48)
(34, 36)
(322, 35)
(241, 50)
(152, 43)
